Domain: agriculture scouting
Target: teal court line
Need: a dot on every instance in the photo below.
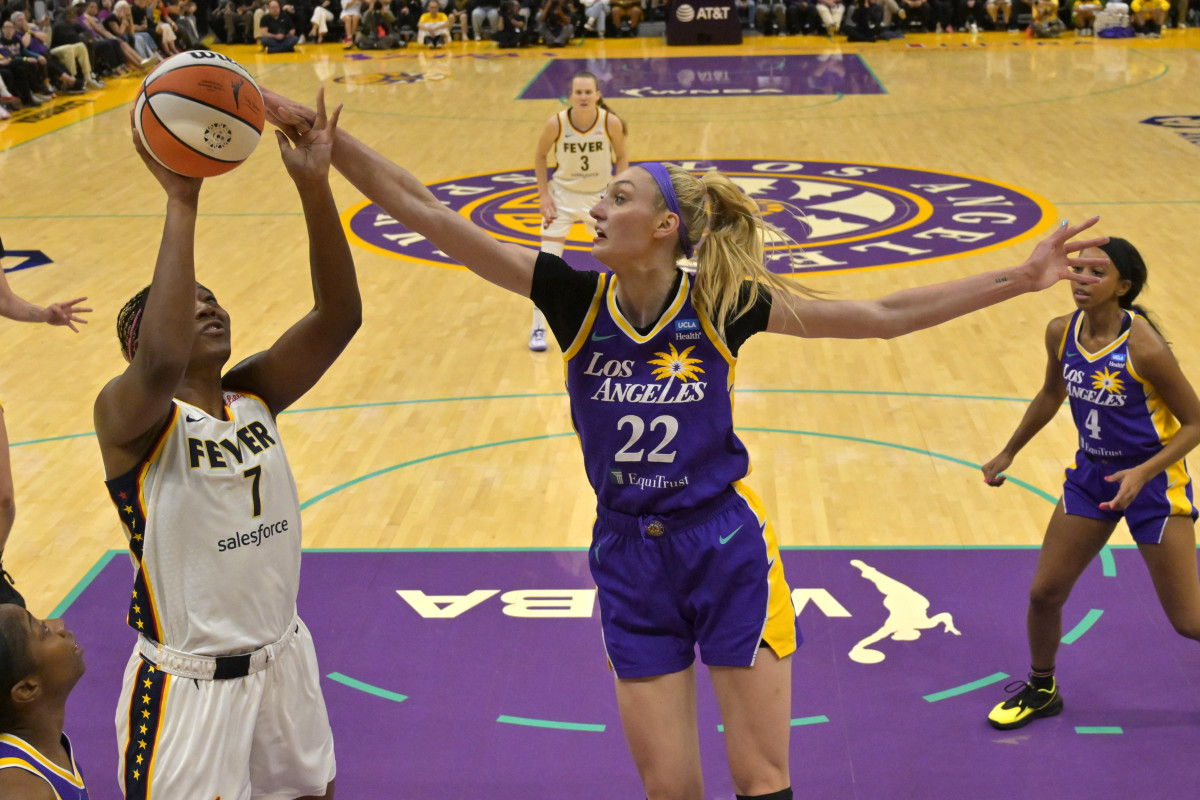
(995, 677)
(549, 723)
(1087, 622)
(366, 687)
(795, 723)
(1098, 729)
(1108, 567)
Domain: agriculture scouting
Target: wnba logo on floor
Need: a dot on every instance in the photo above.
(838, 216)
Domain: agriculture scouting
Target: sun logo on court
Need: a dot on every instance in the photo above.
(1108, 381)
(676, 365)
(836, 216)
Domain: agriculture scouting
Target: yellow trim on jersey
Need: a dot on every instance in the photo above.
(718, 343)
(600, 114)
(74, 778)
(1177, 483)
(1164, 422)
(588, 321)
(779, 631)
(11, 763)
(668, 315)
(1062, 345)
(1093, 357)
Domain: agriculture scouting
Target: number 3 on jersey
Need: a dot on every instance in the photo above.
(670, 427)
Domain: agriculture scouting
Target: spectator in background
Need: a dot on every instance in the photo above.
(378, 28)
(1000, 12)
(1148, 16)
(103, 39)
(20, 75)
(626, 16)
(351, 17)
(433, 28)
(554, 23)
(512, 29)
(596, 12)
(69, 47)
(865, 23)
(321, 17)
(919, 11)
(33, 39)
(120, 25)
(831, 13)
(488, 10)
(277, 30)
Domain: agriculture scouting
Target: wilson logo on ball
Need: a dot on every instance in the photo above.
(199, 113)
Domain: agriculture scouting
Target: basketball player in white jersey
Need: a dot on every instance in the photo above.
(587, 139)
(221, 697)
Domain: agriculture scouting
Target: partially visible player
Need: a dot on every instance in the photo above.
(588, 139)
(222, 692)
(40, 663)
(1137, 417)
(13, 307)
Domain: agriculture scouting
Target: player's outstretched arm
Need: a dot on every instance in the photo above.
(408, 202)
(282, 374)
(16, 308)
(132, 408)
(1041, 410)
(915, 309)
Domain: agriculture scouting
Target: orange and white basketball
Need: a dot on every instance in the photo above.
(199, 113)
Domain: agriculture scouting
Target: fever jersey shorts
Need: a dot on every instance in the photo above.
(709, 576)
(572, 207)
(265, 736)
(1167, 494)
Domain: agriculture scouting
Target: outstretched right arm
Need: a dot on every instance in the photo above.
(406, 200)
(1041, 410)
(133, 406)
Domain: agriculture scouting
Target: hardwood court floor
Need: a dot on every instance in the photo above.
(438, 428)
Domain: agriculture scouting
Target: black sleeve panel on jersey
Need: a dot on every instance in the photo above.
(754, 321)
(563, 295)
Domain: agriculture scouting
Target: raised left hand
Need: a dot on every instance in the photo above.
(1050, 261)
(307, 155)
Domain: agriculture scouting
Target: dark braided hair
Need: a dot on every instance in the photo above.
(15, 663)
(1130, 267)
(129, 319)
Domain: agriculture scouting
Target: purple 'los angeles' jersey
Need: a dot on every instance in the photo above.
(654, 413)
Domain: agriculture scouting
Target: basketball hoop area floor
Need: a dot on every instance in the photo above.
(481, 673)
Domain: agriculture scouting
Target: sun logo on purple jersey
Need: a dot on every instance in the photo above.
(838, 216)
(676, 365)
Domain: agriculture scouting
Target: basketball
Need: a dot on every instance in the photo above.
(199, 113)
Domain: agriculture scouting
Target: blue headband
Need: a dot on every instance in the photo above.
(663, 179)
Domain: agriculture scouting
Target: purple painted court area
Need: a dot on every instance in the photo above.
(862, 730)
(710, 76)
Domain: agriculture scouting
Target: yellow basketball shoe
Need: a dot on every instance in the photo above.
(1029, 703)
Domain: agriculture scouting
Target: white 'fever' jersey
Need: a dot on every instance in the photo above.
(213, 520)
(584, 158)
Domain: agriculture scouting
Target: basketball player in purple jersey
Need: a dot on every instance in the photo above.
(1137, 417)
(40, 663)
(682, 553)
(221, 695)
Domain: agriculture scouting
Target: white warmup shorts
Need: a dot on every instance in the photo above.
(264, 736)
(572, 207)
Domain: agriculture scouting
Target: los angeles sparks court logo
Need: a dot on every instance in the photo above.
(844, 216)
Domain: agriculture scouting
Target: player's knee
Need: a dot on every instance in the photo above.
(1047, 598)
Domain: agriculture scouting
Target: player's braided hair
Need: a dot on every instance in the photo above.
(14, 664)
(129, 320)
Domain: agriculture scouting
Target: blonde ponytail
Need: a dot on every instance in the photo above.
(734, 238)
